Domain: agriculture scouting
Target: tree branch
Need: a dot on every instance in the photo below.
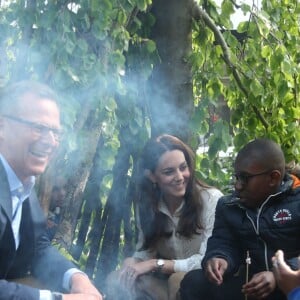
(199, 14)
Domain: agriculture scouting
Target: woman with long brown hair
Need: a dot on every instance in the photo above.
(175, 216)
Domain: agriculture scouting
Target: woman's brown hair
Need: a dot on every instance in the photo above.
(152, 221)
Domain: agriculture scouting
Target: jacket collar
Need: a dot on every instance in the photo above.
(22, 190)
(10, 185)
(296, 181)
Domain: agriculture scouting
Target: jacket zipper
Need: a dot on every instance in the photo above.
(256, 227)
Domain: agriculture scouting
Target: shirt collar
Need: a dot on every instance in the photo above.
(162, 207)
(15, 185)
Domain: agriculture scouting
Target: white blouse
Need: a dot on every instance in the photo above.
(187, 253)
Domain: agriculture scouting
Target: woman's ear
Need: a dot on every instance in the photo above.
(150, 175)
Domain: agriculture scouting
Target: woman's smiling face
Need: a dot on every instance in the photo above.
(172, 174)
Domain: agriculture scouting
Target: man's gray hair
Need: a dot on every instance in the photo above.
(12, 93)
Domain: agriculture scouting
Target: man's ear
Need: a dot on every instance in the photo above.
(150, 175)
(275, 178)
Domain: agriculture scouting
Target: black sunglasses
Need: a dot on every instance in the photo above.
(244, 178)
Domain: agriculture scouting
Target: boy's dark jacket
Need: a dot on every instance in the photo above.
(35, 255)
(276, 225)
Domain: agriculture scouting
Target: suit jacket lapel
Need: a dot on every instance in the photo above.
(37, 215)
(35, 212)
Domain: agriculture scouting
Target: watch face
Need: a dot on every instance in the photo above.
(160, 262)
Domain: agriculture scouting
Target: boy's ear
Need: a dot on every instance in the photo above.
(150, 175)
(275, 177)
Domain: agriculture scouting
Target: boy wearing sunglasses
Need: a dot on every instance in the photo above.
(260, 217)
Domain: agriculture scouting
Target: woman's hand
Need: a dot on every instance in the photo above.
(132, 269)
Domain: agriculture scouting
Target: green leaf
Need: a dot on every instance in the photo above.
(256, 88)
(122, 17)
(151, 46)
(141, 4)
(204, 163)
(243, 27)
(266, 51)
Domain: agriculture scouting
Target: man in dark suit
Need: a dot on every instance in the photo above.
(29, 135)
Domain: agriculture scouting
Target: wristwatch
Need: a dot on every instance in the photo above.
(159, 264)
(57, 296)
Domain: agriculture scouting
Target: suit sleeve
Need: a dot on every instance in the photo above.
(11, 290)
(50, 265)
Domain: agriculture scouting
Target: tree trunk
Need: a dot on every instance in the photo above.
(170, 88)
(92, 203)
(78, 168)
(115, 209)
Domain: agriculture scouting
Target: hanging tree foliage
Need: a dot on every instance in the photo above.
(126, 69)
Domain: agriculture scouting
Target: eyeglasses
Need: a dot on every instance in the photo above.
(37, 128)
(244, 178)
